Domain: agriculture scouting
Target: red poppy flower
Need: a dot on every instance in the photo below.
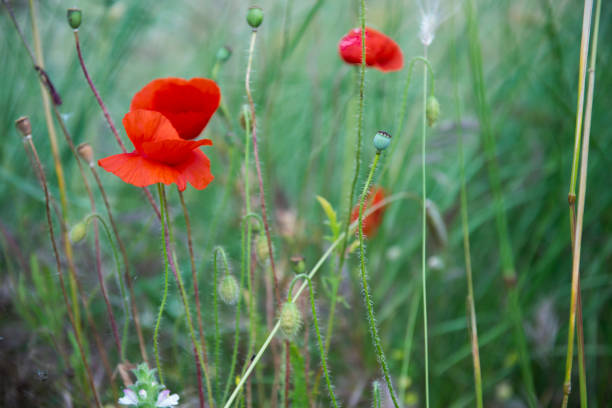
(188, 105)
(372, 221)
(160, 155)
(381, 51)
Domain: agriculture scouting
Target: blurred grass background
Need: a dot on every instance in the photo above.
(306, 119)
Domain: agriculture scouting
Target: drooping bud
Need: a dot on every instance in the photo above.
(261, 247)
(74, 18)
(24, 126)
(382, 140)
(86, 152)
(224, 53)
(432, 110)
(298, 264)
(78, 232)
(255, 16)
(290, 320)
(228, 289)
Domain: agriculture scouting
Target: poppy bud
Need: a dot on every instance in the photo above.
(382, 140)
(299, 266)
(74, 18)
(245, 113)
(224, 53)
(290, 320)
(24, 126)
(86, 152)
(255, 17)
(432, 110)
(78, 232)
(261, 247)
(228, 289)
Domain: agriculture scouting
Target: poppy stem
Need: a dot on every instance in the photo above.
(165, 294)
(43, 181)
(297, 294)
(367, 298)
(126, 264)
(108, 118)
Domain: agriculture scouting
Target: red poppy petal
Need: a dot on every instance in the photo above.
(139, 171)
(196, 170)
(381, 51)
(350, 48)
(189, 105)
(143, 126)
(172, 151)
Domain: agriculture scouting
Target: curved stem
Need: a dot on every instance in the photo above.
(365, 287)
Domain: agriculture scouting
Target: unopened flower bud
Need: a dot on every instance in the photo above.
(299, 266)
(261, 247)
(382, 140)
(23, 126)
(74, 18)
(255, 16)
(433, 110)
(228, 289)
(86, 152)
(78, 232)
(224, 53)
(290, 320)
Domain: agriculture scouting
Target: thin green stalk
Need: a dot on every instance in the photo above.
(314, 270)
(414, 308)
(424, 230)
(216, 315)
(577, 239)
(330, 388)
(366, 291)
(362, 20)
(165, 295)
(472, 322)
(507, 257)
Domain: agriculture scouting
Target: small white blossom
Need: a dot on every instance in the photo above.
(129, 398)
(143, 394)
(164, 399)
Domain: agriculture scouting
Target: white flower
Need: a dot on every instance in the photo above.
(129, 398)
(164, 399)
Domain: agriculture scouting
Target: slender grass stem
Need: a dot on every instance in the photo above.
(413, 309)
(365, 287)
(311, 274)
(126, 265)
(577, 230)
(165, 293)
(43, 181)
(472, 321)
(196, 291)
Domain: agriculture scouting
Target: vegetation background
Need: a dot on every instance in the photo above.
(305, 97)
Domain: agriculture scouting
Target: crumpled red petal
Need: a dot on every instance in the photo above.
(381, 51)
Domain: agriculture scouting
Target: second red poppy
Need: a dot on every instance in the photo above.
(382, 52)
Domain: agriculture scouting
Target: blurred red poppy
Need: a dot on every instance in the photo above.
(372, 221)
(381, 51)
(188, 104)
(160, 155)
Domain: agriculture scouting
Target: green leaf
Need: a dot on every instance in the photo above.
(332, 218)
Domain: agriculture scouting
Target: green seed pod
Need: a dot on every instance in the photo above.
(382, 140)
(261, 247)
(432, 110)
(228, 290)
(78, 232)
(299, 266)
(290, 320)
(255, 16)
(74, 18)
(24, 126)
(224, 53)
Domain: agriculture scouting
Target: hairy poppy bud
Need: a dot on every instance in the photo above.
(382, 140)
(78, 232)
(24, 126)
(432, 110)
(261, 247)
(255, 16)
(86, 152)
(228, 289)
(74, 18)
(290, 320)
(224, 53)
(299, 266)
